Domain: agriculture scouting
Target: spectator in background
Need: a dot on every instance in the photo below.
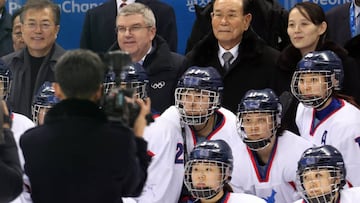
(352, 46)
(18, 41)
(269, 21)
(250, 56)
(34, 65)
(136, 34)
(98, 30)
(91, 159)
(344, 22)
(5, 30)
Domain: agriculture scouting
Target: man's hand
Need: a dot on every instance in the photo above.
(141, 121)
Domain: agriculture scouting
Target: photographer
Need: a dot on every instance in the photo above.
(77, 155)
(10, 170)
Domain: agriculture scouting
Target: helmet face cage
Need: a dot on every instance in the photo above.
(38, 113)
(196, 105)
(108, 86)
(204, 179)
(5, 85)
(313, 88)
(109, 81)
(139, 88)
(255, 123)
(319, 184)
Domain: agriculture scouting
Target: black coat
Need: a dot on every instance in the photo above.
(269, 21)
(98, 32)
(352, 46)
(10, 171)
(254, 68)
(78, 156)
(21, 94)
(6, 43)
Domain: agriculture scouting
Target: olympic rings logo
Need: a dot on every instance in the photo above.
(158, 85)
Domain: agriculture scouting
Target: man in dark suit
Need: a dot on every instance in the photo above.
(98, 32)
(252, 64)
(342, 22)
(269, 21)
(5, 30)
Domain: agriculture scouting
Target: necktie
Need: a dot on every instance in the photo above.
(227, 56)
(123, 3)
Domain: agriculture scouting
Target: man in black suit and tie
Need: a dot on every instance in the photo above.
(98, 32)
(343, 22)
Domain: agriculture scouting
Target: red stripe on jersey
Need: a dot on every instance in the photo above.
(292, 185)
(312, 129)
(150, 153)
(272, 156)
(227, 197)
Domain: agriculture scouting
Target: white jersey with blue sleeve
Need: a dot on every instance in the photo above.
(20, 124)
(341, 129)
(166, 170)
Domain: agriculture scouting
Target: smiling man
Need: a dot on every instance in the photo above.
(236, 51)
(34, 65)
(136, 34)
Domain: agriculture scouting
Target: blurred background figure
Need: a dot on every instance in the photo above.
(43, 101)
(18, 41)
(5, 30)
(344, 22)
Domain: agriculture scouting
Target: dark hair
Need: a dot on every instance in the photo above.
(247, 6)
(79, 73)
(15, 14)
(313, 13)
(41, 4)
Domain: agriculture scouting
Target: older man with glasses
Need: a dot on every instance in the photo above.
(34, 65)
(136, 34)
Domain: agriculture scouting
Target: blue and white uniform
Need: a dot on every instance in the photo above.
(340, 129)
(275, 181)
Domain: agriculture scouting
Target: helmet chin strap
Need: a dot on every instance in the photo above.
(259, 144)
(213, 124)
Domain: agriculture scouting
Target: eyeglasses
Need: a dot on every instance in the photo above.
(132, 29)
(43, 26)
(229, 16)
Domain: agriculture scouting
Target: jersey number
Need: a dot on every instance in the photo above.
(179, 158)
